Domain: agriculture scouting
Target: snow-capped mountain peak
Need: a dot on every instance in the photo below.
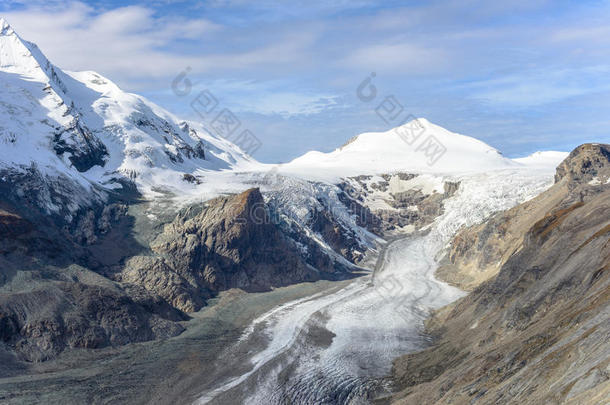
(81, 126)
(20, 56)
(418, 146)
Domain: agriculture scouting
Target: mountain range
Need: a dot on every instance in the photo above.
(123, 227)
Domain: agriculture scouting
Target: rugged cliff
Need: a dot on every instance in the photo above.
(50, 302)
(228, 242)
(536, 330)
(95, 279)
(398, 203)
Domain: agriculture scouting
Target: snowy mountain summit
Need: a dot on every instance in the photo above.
(418, 146)
(81, 126)
(81, 129)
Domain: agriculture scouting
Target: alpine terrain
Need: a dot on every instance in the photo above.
(145, 259)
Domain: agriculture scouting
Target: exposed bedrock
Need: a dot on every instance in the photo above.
(535, 327)
(389, 205)
(229, 242)
(151, 280)
(49, 303)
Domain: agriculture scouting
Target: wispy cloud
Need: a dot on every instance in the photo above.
(539, 87)
(513, 65)
(128, 41)
(133, 43)
(398, 56)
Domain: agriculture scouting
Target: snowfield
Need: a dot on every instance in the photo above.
(547, 160)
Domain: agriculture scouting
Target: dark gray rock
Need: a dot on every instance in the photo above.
(43, 322)
(228, 242)
(83, 148)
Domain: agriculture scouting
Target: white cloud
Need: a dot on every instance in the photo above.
(132, 45)
(444, 44)
(590, 34)
(536, 88)
(127, 41)
(269, 97)
(397, 57)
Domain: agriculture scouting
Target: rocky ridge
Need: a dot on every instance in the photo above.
(534, 329)
(229, 242)
(397, 203)
(48, 302)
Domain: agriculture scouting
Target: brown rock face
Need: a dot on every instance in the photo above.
(477, 253)
(90, 282)
(229, 242)
(537, 330)
(406, 211)
(585, 163)
(336, 237)
(12, 225)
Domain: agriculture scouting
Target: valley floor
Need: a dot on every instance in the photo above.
(337, 348)
(251, 348)
(162, 372)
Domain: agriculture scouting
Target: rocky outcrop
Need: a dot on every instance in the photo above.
(388, 205)
(477, 253)
(341, 240)
(587, 163)
(228, 242)
(138, 288)
(537, 331)
(39, 196)
(84, 149)
(48, 304)
(41, 323)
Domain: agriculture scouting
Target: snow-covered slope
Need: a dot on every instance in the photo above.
(547, 160)
(417, 147)
(81, 126)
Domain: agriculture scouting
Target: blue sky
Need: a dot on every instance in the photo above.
(522, 76)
